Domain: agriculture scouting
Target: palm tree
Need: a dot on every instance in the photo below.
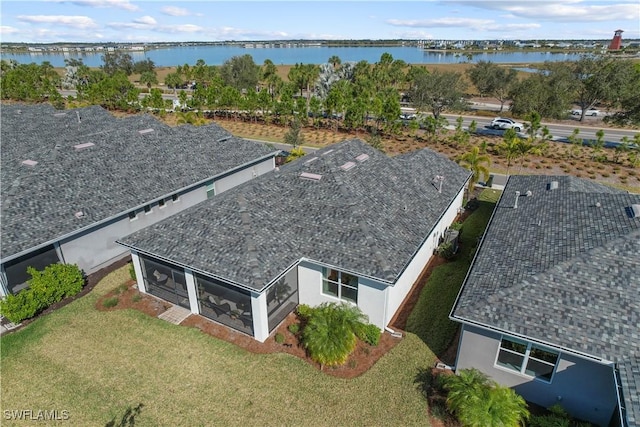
(510, 146)
(331, 331)
(335, 61)
(479, 402)
(478, 164)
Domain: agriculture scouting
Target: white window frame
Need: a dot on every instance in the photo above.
(339, 285)
(526, 357)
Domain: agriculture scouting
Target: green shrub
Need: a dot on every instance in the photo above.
(279, 338)
(110, 302)
(20, 306)
(304, 311)
(456, 226)
(46, 287)
(136, 298)
(294, 328)
(445, 250)
(132, 272)
(370, 334)
(330, 332)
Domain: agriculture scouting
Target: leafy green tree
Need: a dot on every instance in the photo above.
(240, 72)
(173, 81)
(597, 145)
(626, 94)
(270, 77)
(621, 149)
(294, 136)
(143, 66)
(436, 91)
(549, 92)
(153, 99)
(493, 80)
(478, 164)
(330, 334)
(116, 61)
(114, 92)
(149, 78)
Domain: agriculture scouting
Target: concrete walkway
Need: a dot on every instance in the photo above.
(175, 314)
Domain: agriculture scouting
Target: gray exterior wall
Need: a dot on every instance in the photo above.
(585, 388)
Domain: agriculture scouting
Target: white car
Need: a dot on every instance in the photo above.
(590, 112)
(504, 123)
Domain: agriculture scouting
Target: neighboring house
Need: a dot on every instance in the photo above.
(344, 224)
(74, 181)
(551, 306)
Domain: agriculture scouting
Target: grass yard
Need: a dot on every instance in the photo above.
(429, 319)
(97, 364)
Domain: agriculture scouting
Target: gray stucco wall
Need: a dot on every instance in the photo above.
(585, 388)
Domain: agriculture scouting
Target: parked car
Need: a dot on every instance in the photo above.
(504, 123)
(590, 112)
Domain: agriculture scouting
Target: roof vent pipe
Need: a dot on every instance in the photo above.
(439, 179)
(515, 204)
(78, 115)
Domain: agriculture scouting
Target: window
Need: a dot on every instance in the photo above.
(161, 203)
(527, 359)
(147, 209)
(133, 215)
(340, 285)
(175, 198)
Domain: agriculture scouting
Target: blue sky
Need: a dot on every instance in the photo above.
(50, 21)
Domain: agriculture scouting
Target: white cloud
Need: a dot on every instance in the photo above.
(561, 10)
(175, 11)
(184, 28)
(512, 27)
(116, 4)
(80, 22)
(5, 30)
(441, 22)
(146, 20)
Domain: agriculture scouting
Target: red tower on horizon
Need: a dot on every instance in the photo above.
(616, 41)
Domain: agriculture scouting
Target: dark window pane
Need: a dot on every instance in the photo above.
(545, 355)
(329, 288)
(330, 274)
(349, 279)
(510, 360)
(349, 294)
(16, 269)
(539, 369)
(518, 347)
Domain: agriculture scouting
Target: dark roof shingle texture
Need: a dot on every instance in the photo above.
(563, 268)
(123, 170)
(369, 220)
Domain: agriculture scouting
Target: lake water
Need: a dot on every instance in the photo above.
(217, 55)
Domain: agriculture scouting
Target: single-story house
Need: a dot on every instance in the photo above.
(74, 181)
(550, 306)
(344, 224)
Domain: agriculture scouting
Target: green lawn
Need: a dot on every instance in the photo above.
(429, 319)
(96, 365)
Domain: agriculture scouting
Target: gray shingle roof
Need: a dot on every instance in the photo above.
(369, 219)
(562, 268)
(123, 170)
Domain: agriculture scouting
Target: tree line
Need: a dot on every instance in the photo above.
(351, 95)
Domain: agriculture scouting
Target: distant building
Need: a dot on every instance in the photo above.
(616, 41)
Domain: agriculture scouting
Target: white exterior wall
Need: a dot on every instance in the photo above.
(137, 266)
(225, 183)
(585, 388)
(399, 291)
(371, 294)
(260, 315)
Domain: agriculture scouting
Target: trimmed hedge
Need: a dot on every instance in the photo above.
(46, 287)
